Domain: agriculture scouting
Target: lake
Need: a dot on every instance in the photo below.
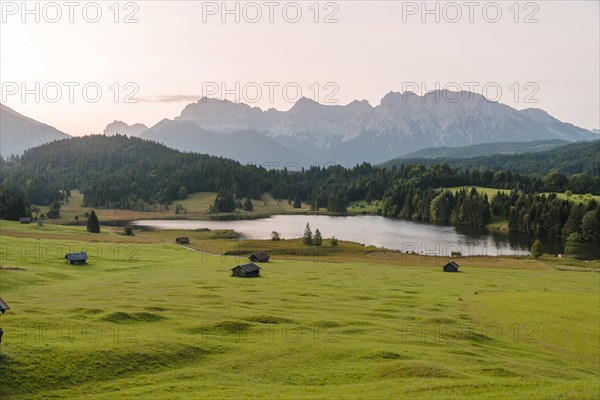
(378, 231)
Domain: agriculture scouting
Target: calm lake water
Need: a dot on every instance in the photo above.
(381, 232)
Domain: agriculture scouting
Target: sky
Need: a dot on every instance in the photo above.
(78, 66)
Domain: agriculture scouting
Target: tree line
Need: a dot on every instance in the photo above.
(131, 173)
(571, 159)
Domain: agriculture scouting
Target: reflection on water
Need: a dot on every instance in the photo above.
(378, 231)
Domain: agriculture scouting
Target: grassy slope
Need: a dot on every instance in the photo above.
(163, 321)
(491, 192)
(75, 208)
(577, 198)
(196, 206)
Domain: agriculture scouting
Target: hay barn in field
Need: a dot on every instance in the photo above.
(3, 306)
(76, 258)
(249, 270)
(182, 240)
(452, 266)
(261, 256)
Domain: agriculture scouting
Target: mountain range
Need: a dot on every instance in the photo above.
(310, 132)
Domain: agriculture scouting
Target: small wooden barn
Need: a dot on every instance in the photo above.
(261, 256)
(3, 306)
(182, 240)
(249, 270)
(452, 266)
(76, 258)
(25, 220)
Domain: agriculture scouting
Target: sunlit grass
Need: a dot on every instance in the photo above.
(159, 320)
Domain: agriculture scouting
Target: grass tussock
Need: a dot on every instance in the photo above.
(414, 370)
(121, 317)
(269, 319)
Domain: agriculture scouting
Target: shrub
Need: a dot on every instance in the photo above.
(537, 250)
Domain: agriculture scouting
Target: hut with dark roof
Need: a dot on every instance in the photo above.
(249, 270)
(452, 266)
(3, 306)
(183, 240)
(261, 256)
(76, 258)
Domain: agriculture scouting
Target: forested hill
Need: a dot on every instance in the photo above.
(127, 172)
(570, 159)
(486, 149)
(131, 173)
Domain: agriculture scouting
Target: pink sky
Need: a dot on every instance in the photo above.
(176, 51)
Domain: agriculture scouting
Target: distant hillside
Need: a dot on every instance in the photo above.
(19, 133)
(247, 147)
(122, 128)
(571, 159)
(486, 149)
(133, 173)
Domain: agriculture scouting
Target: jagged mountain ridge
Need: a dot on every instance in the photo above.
(357, 132)
(312, 133)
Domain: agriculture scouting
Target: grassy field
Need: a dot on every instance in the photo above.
(196, 208)
(491, 192)
(153, 320)
(578, 198)
(362, 207)
(74, 207)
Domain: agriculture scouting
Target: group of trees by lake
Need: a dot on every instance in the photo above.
(468, 208)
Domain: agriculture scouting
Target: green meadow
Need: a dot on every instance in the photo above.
(149, 319)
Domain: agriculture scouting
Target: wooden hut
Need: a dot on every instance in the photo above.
(261, 256)
(452, 266)
(3, 306)
(76, 258)
(182, 240)
(25, 220)
(249, 270)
